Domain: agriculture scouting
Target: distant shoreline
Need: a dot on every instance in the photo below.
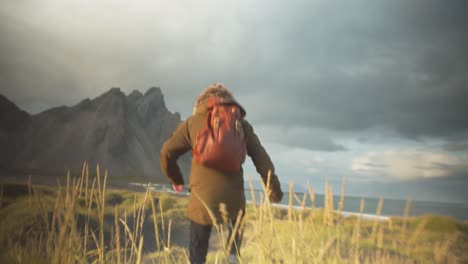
(391, 207)
(165, 189)
(343, 213)
(456, 210)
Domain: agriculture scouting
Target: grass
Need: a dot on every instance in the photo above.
(81, 221)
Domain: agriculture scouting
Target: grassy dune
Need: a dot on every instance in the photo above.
(81, 221)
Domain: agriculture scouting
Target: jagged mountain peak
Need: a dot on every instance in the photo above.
(55, 109)
(85, 103)
(112, 101)
(152, 104)
(135, 93)
(155, 90)
(155, 97)
(135, 96)
(12, 122)
(5, 103)
(111, 93)
(11, 116)
(122, 133)
(3, 99)
(114, 91)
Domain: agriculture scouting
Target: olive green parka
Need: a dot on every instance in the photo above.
(209, 188)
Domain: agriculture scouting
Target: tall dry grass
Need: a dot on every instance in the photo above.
(311, 235)
(75, 226)
(81, 222)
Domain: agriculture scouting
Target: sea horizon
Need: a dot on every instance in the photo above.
(391, 207)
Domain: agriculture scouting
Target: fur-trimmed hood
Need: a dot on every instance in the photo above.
(218, 90)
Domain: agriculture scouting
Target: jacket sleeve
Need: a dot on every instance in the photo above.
(174, 147)
(262, 162)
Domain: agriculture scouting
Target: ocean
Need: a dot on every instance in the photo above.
(391, 207)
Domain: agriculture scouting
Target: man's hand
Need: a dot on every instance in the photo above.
(177, 188)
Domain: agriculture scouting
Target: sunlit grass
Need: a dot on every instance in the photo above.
(81, 221)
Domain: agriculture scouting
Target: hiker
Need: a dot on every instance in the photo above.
(218, 188)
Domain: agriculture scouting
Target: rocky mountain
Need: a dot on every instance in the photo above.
(123, 133)
(13, 122)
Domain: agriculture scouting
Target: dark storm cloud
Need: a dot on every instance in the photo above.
(61, 52)
(353, 66)
(425, 190)
(318, 143)
(299, 137)
(332, 88)
(456, 146)
(386, 67)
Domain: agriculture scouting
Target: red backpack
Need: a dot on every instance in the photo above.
(221, 143)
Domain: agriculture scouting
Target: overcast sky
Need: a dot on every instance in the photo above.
(372, 90)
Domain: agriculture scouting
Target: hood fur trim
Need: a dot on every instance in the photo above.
(217, 89)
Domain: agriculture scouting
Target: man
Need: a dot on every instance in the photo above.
(212, 189)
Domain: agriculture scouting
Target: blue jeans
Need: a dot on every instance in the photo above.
(199, 240)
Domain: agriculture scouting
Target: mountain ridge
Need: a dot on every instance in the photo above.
(122, 133)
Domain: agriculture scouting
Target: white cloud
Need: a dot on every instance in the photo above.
(409, 164)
